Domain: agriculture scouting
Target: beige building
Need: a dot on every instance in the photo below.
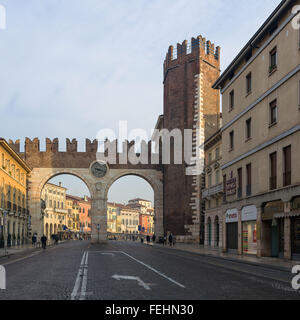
(112, 214)
(261, 140)
(212, 195)
(55, 214)
(73, 216)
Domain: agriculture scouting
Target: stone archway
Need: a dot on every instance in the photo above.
(98, 190)
(154, 178)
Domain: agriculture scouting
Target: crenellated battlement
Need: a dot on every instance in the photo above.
(111, 152)
(197, 48)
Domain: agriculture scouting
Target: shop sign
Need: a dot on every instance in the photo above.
(232, 216)
(249, 213)
(231, 187)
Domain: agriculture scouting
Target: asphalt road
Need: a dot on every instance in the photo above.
(134, 271)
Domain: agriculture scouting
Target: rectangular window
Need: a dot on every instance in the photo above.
(249, 83)
(248, 129)
(249, 180)
(231, 140)
(240, 183)
(209, 180)
(217, 177)
(209, 158)
(287, 178)
(273, 112)
(273, 60)
(273, 171)
(231, 100)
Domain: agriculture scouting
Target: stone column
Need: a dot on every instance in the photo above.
(240, 233)
(287, 232)
(99, 217)
(258, 232)
(159, 216)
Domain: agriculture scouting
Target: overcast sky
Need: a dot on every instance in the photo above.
(72, 67)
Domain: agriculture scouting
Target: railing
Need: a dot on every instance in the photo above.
(273, 183)
(213, 191)
(287, 178)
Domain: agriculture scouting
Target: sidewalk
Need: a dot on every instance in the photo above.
(275, 263)
(27, 248)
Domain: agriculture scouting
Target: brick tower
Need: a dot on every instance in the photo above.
(189, 103)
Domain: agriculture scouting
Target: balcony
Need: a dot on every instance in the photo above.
(60, 211)
(213, 191)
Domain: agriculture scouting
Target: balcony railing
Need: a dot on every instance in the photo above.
(273, 183)
(287, 179)
(218, 189)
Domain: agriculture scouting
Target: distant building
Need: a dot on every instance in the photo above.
(55, 217)
(14, 216)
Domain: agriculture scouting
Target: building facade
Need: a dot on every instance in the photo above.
(73, 219)
(14, 216)
(261, 141)
(212, 195)
(85, 217)
(146, 215)
(55, 214)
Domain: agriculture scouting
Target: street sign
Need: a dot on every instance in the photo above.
(140, 228)
(98, 226)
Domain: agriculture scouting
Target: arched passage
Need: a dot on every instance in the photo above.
(98, 188)
(130, 210)
(155, 181)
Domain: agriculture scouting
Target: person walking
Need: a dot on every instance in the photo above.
(34, 240)
(165, 239)
(148, 239)
(153, 238)
(44, 241)
(171, 239)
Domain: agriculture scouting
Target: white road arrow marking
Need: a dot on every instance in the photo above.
(140, 282)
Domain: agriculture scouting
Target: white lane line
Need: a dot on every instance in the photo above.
(78, 278)
(154, 270)
(84, 279)
(139, 280)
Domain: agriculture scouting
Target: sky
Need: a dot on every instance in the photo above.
(70, 68)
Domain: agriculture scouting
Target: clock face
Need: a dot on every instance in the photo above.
(99, 169)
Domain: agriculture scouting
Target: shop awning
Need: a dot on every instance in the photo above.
(287, 215)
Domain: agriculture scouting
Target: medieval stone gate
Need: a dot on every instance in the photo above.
(50, 163)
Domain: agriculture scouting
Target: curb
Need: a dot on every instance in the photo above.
(232, 259)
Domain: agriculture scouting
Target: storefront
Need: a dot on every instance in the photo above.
(273, 226)
(232, 230)
(249, 223)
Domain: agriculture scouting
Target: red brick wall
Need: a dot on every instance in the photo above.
(179, 100)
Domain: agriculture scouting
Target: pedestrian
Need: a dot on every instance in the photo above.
(148, 239)
(142, 240)
(153, 238)
(56, 239)
(165, 239)
(170, 239)
(34, 239)
(44, 241)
